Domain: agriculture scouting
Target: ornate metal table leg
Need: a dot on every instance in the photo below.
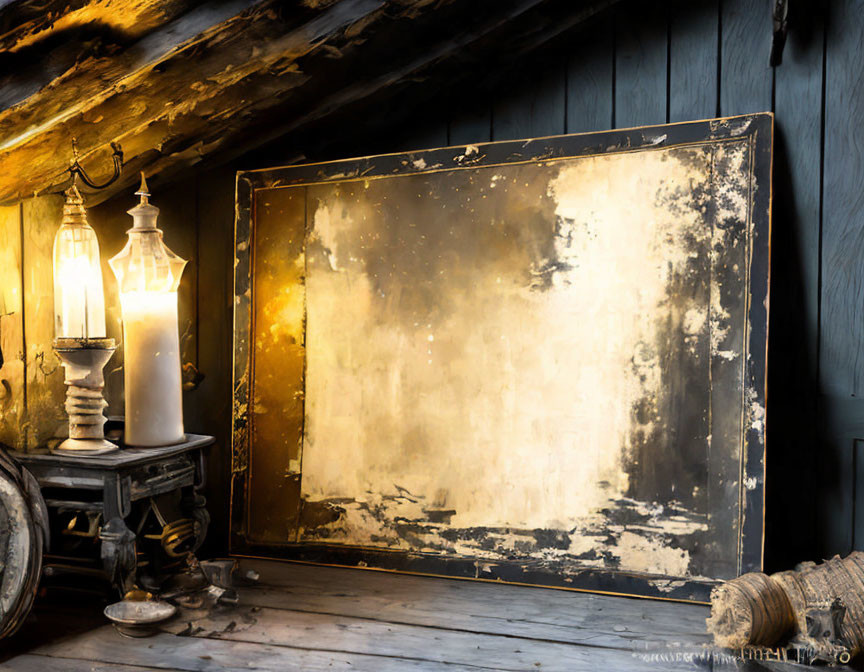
(195, 506)
(196, 503)
(119, 558)
(118, 554)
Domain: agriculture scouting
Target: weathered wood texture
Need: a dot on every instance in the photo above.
(11, 329)
(45, 390)
(319, 618)
(717, 63)
(745, 41)
(194, 85)
(23, 23)
(589, 83)
(534, 110)
(693, 57)
(641, 46)
(573, 617)
(794, 333)
(841, 334)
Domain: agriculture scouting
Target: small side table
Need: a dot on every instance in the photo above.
(123, 477)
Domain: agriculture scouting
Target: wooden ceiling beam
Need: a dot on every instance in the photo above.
(462, 57)
(59, 73)
(187, 92)
(155, 81)
(25, 24)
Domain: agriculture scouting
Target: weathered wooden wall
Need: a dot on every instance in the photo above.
(31, 377)
(640, 63)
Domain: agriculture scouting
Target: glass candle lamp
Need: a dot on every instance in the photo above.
(148, 275)
(79, 300)
(79, 328)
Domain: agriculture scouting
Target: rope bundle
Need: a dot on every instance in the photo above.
(756, 609)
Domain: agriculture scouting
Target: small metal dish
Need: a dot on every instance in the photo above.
(133, 618)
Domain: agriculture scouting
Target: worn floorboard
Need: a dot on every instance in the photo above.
(303, 617)
(469, 605)
(439, 644)
(31, 663)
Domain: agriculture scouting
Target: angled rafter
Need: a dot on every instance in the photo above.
(224, 77)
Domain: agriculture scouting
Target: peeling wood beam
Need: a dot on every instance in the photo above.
(307, 108)
(467, 55)
(20, 19)
(56, 88)
(163, 88)
(73, 93)
(312, 109)
(252, 80)
(26, 23)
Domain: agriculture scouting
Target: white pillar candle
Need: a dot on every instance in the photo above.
(148, 274)
(154, 403)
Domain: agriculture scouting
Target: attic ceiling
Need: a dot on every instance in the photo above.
(176, 82)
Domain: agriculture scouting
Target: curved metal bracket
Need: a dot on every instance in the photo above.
(77, 170)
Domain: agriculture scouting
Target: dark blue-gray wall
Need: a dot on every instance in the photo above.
(646, 63)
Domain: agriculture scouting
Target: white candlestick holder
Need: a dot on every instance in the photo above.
(83, 360)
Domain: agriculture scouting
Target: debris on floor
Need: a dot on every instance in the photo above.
(205, 590)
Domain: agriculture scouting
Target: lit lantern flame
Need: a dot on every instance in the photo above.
(79, 300)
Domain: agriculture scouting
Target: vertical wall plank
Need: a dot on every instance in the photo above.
(841, 345)
(745, 75)
(589, 79)
(693, 43)
(858, 507)
(110, 222)
(428, 134)
(46, 392)
(641, 41)
(471, 125)
(795, 291)
(209, 409)
(533, 109)
(11, 329)
(798, 170)
(178, 203)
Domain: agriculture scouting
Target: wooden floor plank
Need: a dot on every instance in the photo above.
(322, 618)
(194, 654)
(591, 621)
(278, 627)
(31, 663)
(429, 601)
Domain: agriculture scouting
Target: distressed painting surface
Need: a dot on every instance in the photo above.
(515, 362)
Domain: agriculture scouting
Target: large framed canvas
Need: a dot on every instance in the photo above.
(539, 361)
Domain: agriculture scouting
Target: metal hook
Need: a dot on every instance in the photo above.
(77, 170)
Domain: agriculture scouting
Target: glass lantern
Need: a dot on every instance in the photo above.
(79, 329)
(148, 275)
(79, 300)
